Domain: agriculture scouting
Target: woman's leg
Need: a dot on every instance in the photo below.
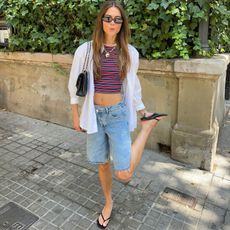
(137, 150)
(105, 176)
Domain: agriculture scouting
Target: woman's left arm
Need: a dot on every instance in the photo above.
(138, 97)
(140, 107)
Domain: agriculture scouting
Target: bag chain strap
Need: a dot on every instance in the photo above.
(85, 66)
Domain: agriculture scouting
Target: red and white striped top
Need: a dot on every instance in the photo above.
(110, 81)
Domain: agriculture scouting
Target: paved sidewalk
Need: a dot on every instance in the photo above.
(43, 168)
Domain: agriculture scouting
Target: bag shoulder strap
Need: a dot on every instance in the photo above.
(85, 66)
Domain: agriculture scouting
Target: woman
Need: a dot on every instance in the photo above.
(114, 95)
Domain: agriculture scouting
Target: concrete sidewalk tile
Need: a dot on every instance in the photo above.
(43, 158)
(33, 207)
(3, 151)
(146, 227)
(18, 199)
(32, 154)
(42, 200)
(190, 220)
(50, 216)
(26, 203)
(94, 227)
(152, 218)
(190, 227)
(59, 221)
(32, 228)
(218, 213)
(139, 216)
(163, 206)
(9, 156)
(41, 211)
(132, 223)
(5, 142)
(51, 227)
(163, 222)
(207, 219)
(84, 223)
(3, 201)
(49, 204)
(84, 211)
(55, 197)
(175, 225)
(12, 146)
(3, 172)
(218, 198)
(90, 204)
(11, 195)
(74, 206)
(40, 224)
(22, 150)
(73, 196)
(5, 191)
(75, 218)
(58, 209)
(19, 161)
(68, 225)
(227, 220)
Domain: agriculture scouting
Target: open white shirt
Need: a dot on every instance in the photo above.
(131, 89)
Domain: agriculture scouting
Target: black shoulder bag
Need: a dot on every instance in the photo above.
(82, 80)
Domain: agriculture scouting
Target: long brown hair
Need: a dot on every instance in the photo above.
(122, 41)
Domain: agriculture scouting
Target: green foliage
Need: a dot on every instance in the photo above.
(160, 28)
(169, 28)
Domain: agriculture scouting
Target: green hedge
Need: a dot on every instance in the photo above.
(160, 28)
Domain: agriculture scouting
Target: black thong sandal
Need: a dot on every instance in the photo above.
(153, 116)
(101, 225)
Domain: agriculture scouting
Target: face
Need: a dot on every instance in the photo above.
(111, 29)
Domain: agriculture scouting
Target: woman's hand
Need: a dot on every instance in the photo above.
(76, 123)
(144, 112)
(76, 118)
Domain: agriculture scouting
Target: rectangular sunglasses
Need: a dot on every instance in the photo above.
(109, 18)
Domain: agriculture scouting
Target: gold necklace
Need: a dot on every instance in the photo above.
(107, 52)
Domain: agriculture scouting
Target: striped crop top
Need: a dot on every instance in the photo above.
(110, 81)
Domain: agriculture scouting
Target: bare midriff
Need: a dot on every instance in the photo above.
(107, 99)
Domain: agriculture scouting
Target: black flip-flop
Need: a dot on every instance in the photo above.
(153, 116)
(101, 225)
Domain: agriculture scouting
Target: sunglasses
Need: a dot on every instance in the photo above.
(108, 18)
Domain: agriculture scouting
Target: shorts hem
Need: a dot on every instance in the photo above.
(97, 163)
(122, 169)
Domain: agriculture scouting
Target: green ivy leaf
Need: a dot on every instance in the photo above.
(152, 6)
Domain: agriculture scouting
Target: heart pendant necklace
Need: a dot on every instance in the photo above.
(107, 52)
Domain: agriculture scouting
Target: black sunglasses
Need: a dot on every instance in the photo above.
(109, 18)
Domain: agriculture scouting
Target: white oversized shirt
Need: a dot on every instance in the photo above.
(131, 89)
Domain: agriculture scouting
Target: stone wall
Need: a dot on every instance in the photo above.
(33, 85)
(190, 91)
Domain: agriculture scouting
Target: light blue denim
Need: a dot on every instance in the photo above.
(112, 139)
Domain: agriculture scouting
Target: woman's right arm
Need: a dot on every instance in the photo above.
(74, 100)
(76, 118)
(76, 69)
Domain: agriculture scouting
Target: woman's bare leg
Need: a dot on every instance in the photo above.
(137, 150)
(105, 176)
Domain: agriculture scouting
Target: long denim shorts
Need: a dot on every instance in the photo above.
(112, 139)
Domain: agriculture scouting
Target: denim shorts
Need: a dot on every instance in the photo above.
(112, 139)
